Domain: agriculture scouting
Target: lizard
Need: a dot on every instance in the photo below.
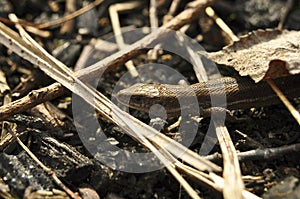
(241, 93)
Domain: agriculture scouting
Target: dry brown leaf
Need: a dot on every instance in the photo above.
(255, 52)
(277, 68)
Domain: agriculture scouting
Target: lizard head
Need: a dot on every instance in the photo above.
(144, 96)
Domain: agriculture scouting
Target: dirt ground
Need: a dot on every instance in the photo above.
(50, 131)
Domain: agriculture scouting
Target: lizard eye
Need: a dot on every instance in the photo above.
(137, 100)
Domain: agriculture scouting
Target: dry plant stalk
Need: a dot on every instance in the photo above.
(69, 80)
(55, 90)
(30, 50)
(231, 171)
(114, 16)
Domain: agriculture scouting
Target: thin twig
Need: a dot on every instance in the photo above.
(210, 12)
(152, 54)
(33, 98)
(5, 92)
(285, 101)
(249, 139)
(68, 17)
(172, 10)
(115, 21)
(67, 26)
(288, 7)
(31, 26)
(269, 153)
(231, 171)
(153, 14)
(266, 154)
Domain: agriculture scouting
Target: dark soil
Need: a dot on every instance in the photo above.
(58, 145)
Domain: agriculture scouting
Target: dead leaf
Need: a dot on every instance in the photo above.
(254, 53)
(277, 68)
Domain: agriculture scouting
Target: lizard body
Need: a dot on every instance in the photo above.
(239, 93)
